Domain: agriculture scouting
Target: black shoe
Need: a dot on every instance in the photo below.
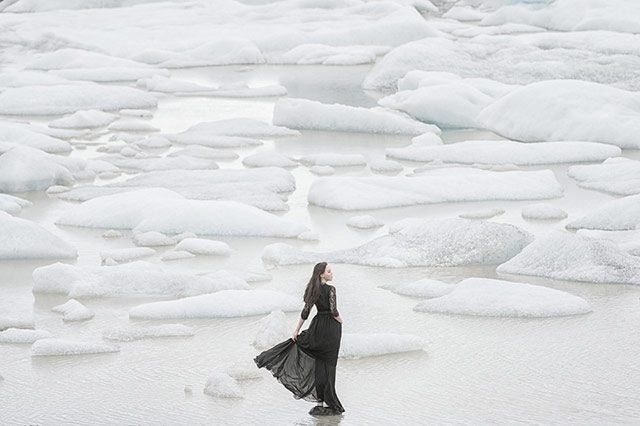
(323, 411)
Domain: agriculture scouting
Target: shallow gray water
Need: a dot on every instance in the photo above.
(570, 370)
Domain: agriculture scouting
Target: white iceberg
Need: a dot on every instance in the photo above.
(376, 192)
(506, 152)
(165, 211)
(419, 242)
(136, 278)
(498, 298)
(54, 346)
(73, 310)
(424, 288)
(376, 344)
(616, 215)
(23, 239)
(306, 114)
(21, 335)
(223, 304)
(565, 256)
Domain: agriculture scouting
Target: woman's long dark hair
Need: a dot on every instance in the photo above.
(312, 292)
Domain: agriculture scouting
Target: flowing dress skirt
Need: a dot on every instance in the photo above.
(307, 366)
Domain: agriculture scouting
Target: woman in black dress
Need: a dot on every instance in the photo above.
(306, 363)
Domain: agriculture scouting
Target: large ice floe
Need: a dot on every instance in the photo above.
(424, 288)
(263, 187)
(21, 335)
(617, 175)
(20, 134)
(127, 334)
(170, 213)
(223, 304)
(506, 152)
(565, 256)
(566, 110)
(375, 344)
(55, 346)
(306, 114)
(602, 57)
(419, 242)
(375, 192)
(617, 215)
(23, 239)
(61, 99)
(489, 297)
(136, 278)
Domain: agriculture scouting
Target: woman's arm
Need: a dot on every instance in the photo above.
(333, 304)
(297, 330)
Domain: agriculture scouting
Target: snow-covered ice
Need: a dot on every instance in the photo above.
(24, 239)
(128, 333)
(204, 246)
(272, 330)
(543, 211)
(126, 254)
(482, 214)
(423, 288)
(223, 304)
(489, 297)
(618, 175)
(21, 335)
(419, 242)
(221, 385)
(56, 346)
(616, 215)
(73, 310)
(360, 345)
(364, 222)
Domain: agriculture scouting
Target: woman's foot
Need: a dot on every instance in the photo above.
(323, 411)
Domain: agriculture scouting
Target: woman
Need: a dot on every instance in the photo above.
(306, 363)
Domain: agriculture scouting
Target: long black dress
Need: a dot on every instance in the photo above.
(307, 366)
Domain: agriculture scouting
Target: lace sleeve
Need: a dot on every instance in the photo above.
(332, 301)
(305, 311)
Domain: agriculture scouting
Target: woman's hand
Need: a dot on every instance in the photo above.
(295, 335)
(338, 318)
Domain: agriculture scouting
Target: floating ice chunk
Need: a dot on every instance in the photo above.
(564, 256)
(126, 254)
(176, 255)
(16, 134)
(16, 322)
(13, 205)
(127, 334)
(73, 310)
(272, 330)
(109, 74)
(618, 175)
(376, 344)
(223, 304)
(375, 192)
(251, 276)
(385, 166)
(506, 152)
(482, 214)
(543, 211)
(562, 16)
(427, 139)
(531, 113)
(498, 298)
(154, 142)
(364, 222)
(150, 164)
(20, 335)
(152, 239)
(131, 125)
(628, 241)
(54, 346)
(179, 87)
(229, 133)
(168, 212)
(617, 215)
(204, 152)
(306, 114)
(112, 233)
(203, 246)
(84, 120)
(268, 159)
(243, 371)
(23, 239)
(137, 278)
(221, 385)
(322, 170)
(333, 160)
(307, 54)
(416, 242)
(424, 288)
(45, 100)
